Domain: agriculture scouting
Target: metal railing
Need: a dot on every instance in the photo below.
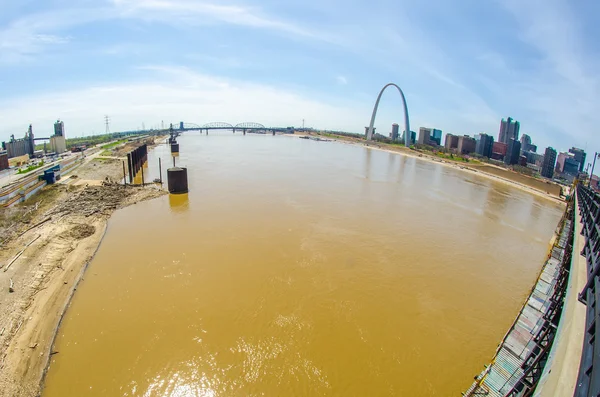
(588, 381)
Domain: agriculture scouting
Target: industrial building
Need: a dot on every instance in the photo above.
(3, 160)
(20, 147)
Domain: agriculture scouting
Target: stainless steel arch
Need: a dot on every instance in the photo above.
(406, 121)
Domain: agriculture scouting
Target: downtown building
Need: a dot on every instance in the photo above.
(548, 163)
(429, 136)
(580, 156)
(499, 150)
(484, 145)
(395, 134)
(451, 142)
(513, 152)
(466, 145)
(567, 166)
(526, 145)
(509, 129)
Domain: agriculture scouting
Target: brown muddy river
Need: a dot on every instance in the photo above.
(301, 268)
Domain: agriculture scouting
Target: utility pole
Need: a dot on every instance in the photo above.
(593, 166)
(107, 123)
(302, 123)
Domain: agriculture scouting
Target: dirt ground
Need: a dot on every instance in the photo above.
(100, 169)
(45, 246)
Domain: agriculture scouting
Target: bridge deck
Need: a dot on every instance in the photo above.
(560, 374)
(506, 370)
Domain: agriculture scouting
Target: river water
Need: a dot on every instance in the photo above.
(296, 267)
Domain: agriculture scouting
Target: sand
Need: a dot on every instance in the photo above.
(58, 238)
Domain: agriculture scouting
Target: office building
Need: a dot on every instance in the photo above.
(580, 156)
(548, 163)
(59, 128)
(499, 151)
(424, 135)
(567, 165)
(395, 133)
(526, 145)
(509, 129)
(466, 145)
(436, 136)
(513, 152)
(451, 142)
(484, 146)
(532, 157)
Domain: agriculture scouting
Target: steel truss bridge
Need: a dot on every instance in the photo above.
(219, 125)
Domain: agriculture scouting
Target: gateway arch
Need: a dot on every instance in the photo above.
(406, 121)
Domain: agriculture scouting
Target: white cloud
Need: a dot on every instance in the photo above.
(341, 80)
(192, 12)
(175, 94)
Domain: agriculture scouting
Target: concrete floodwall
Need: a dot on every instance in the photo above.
(542, 185)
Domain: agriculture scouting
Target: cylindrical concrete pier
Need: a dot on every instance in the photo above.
(174, 148)
(177, 180)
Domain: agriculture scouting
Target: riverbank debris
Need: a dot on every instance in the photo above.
(10, 263)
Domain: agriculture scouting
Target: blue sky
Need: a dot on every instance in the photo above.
(463, 64)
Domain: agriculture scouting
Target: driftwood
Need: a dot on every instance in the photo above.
(20, 253)
(36, 225)
(11, 286)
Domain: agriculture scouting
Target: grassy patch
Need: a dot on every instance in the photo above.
(30, 168)
(114, 144)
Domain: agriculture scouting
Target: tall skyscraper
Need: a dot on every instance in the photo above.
(424, 135)
(548, 163)
(484, 146)
(509, 129)
(526, 145)
(580, 156)
(513, 152)
(436, 135)
(395, 133)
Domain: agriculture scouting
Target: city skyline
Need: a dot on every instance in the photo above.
(153, 61)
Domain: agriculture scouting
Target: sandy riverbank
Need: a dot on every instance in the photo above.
(57, 239)
(469, 168)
